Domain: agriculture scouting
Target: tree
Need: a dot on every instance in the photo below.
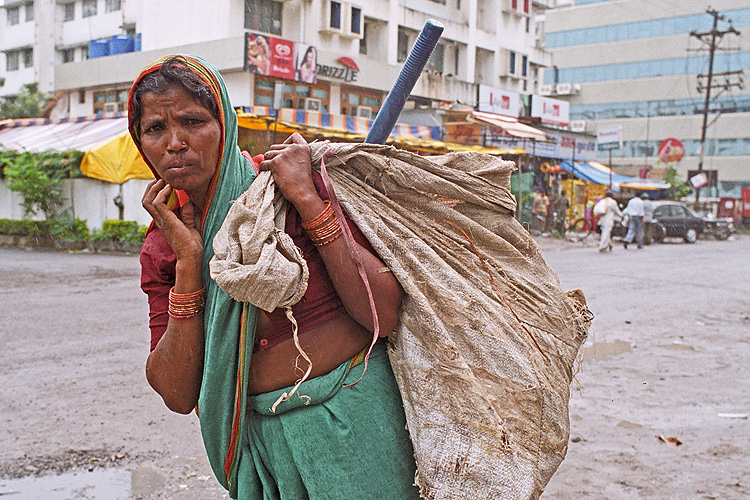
(29, 103)
(677, 187)
(38, 178)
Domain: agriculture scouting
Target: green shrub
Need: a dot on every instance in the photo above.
(24, 227)
(121, 230)
(65, 227)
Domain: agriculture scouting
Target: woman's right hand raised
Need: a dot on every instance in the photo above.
(181, 232)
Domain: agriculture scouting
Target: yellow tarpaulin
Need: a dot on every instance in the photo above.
(116, 161)
(424, 146)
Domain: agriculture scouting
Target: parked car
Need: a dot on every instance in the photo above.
(674, 219)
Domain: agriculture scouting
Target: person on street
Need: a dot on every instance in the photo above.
(562, 204)
(609, 212)
(540, 209)
(635, 211)
(339, 443)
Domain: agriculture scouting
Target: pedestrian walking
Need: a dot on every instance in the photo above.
(635, 211)
(608, 211)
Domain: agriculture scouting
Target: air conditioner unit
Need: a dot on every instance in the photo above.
(578, 125)
(110, 107)
(362, 111)
(563, 88)
(310, 104)
(547, 89)
(576, 88)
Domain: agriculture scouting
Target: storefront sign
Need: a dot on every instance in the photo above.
(343, 73)
(280, 58)
(501, 102)
(552, 111)
(609, 137)
(559, 145)
(671, 150)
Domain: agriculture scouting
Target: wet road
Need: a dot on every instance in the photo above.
(667, 356)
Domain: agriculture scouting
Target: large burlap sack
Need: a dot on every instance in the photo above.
(484, 350)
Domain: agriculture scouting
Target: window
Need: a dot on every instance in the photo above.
(28, 57)
(526, 6)
(403, 46)
(68, 55)
(69, 11)
(356, 24)
(88, 8)
(30, 11)
(512, 64)
(435, 62)
(111, 5)
(110, 101)
(263, 15)
(84, 52)
(11, 60)
(13, 15)
(293, 95)
(363, 41)
(352, 98)
(525, 66)
(335, 20)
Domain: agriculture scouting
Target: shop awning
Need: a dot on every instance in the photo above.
(345, 123)
(116, 161)
(36, 135)
(597, 173)
(510, 126)
(312, 128)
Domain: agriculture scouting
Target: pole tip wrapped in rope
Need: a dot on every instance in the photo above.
(407, 78)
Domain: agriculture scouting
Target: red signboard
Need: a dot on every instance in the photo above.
(671, 150)
(270, 56)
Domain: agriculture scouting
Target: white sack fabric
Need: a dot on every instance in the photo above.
(484, 350)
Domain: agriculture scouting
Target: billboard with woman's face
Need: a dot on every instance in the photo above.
(269, 56)
(272, 56)
(307, 64)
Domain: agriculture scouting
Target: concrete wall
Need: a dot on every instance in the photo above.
(87, 199)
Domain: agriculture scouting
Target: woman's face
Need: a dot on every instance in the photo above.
(310, 59)
(181, 139)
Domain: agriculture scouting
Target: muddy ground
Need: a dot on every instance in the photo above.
(668, 356)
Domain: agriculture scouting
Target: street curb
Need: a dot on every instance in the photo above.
(127, 247)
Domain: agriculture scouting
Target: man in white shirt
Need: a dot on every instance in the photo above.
(607, 220)
(635, 210)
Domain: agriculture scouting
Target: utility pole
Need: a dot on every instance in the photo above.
(712, 38)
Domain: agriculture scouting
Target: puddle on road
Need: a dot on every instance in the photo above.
(104, 484)
(677, 347)
(604, 350)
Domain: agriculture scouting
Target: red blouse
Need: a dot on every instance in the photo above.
(320, 303)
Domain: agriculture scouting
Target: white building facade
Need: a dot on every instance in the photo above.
(635, 64)
(493, 42)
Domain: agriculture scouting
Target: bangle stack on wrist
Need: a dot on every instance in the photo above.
(324, 228)
(186, 305)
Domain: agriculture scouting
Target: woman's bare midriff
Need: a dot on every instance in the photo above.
(328, 345)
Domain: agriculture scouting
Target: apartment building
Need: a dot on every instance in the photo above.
(642, 66)
(495, 43)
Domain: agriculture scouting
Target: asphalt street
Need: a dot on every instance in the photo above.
(666, 361)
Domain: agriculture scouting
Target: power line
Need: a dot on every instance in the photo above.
(712, 39)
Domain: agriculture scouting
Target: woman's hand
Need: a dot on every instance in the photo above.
(181, 232)
(289, 164)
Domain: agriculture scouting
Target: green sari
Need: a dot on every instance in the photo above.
(229, 325)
